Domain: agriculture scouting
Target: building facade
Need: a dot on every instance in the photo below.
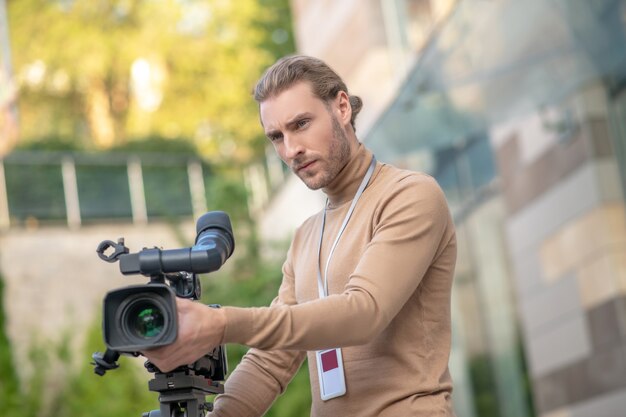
(519, 110)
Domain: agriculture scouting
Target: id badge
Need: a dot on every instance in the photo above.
(330, 373)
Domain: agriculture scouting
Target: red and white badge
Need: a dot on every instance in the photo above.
(330, 373)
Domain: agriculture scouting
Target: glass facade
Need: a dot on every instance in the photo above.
(519, 111)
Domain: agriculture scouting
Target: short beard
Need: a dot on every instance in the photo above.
(339, 156)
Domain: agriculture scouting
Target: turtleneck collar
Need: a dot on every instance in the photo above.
(344, 186)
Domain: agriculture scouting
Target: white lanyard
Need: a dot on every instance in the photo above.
(322, 285)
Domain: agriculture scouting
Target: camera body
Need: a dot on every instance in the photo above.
(142, 317)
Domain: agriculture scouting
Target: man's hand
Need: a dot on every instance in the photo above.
(200, 330)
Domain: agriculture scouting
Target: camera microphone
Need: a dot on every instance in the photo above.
(214, 245)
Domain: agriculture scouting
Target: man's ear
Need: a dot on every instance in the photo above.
(343, 107)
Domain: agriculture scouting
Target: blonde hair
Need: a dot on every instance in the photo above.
(289, 70)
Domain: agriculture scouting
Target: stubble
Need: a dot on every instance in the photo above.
(337, 158)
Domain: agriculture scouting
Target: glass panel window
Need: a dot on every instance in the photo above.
(35, 191)
(167, 190)
(103, 191)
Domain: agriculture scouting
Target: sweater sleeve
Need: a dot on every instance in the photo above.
(256, 383)
(261, 376)
(411, 227)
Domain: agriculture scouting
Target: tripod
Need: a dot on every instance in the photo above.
(182, 392)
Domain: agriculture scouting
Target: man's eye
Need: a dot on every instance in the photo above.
(302, 123)
(274, 138)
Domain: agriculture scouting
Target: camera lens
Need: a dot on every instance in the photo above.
(139, 317)
(145, 319)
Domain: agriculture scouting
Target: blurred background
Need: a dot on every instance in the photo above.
(133, 117)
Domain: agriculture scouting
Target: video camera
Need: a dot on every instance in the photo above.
(142, 317)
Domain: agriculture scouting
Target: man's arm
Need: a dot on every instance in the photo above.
(256, 382)
(412, 228)
(261, 376)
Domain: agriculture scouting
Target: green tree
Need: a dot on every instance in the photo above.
(105, 72)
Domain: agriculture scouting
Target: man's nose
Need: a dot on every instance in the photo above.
(293, 147)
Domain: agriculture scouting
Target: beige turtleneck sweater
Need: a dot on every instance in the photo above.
(388, 308)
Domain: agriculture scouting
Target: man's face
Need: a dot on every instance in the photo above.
(308, 134)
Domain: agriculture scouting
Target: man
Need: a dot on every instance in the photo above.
(367, 281)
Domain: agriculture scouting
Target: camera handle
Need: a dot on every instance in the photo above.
(185, 284)
(119, 249)
(105, 362)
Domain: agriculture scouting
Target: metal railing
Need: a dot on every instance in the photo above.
(80, 187)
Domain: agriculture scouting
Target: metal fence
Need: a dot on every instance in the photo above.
(77, 188)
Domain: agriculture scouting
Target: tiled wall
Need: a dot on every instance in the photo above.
(567, 238)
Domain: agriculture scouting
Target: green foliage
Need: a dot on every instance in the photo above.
(228, 193)
(526, 378)
(74, 63)
(483, 384)
(235, 289)
(26, 400)
(481, 370)
(9, 383)
(157, 143)
(122, 392)
(50, 143)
